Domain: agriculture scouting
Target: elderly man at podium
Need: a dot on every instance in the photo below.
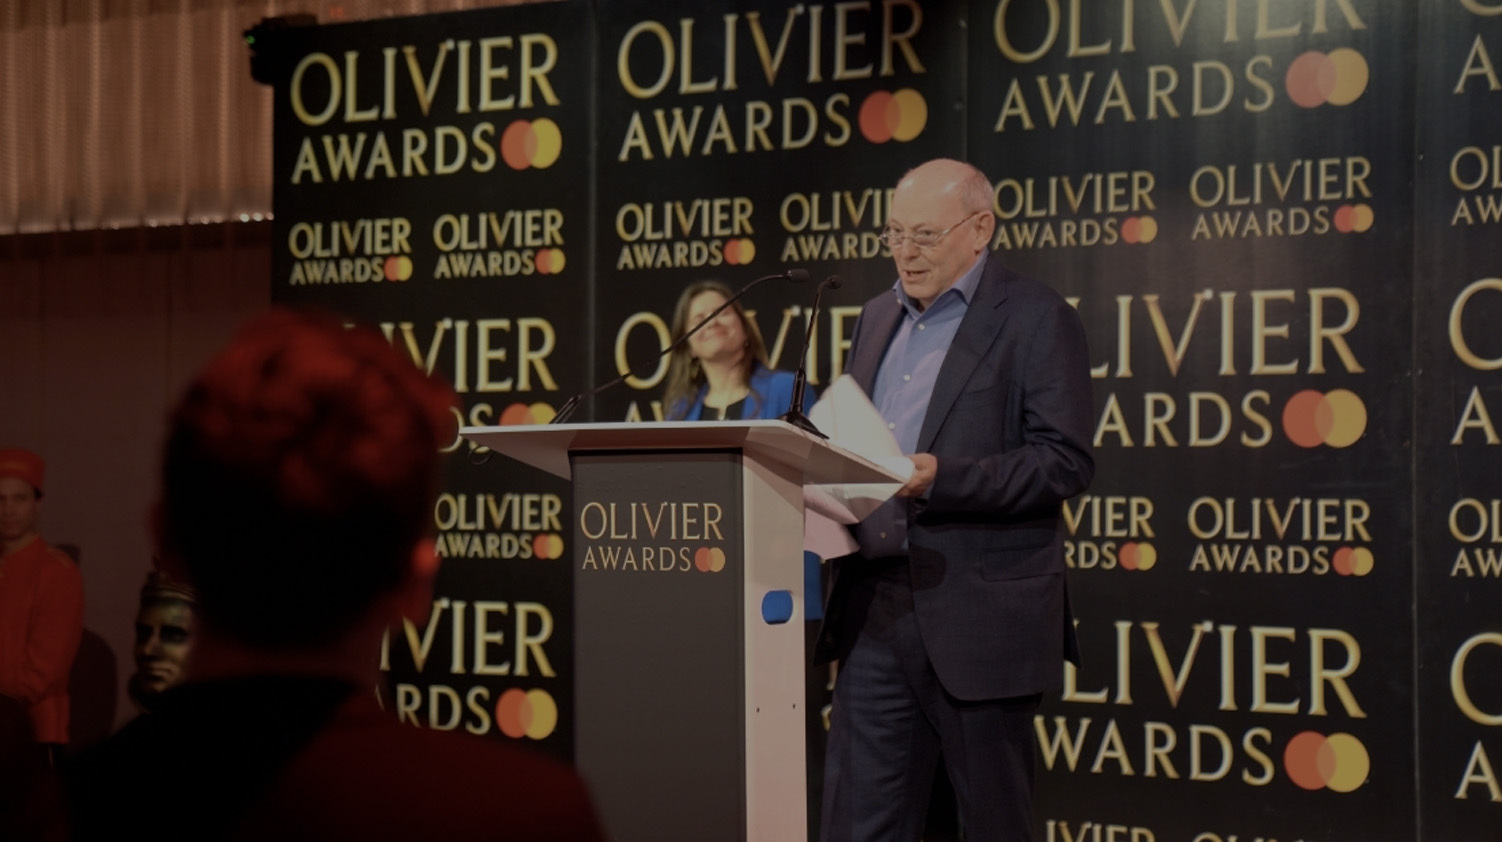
(954, 618)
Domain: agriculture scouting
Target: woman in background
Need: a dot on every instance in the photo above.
(721, 372)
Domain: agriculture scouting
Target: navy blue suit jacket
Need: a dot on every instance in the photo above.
(1010, 423)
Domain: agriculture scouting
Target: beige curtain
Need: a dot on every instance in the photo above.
(128, 113)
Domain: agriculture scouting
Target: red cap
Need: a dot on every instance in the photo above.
(23, 465)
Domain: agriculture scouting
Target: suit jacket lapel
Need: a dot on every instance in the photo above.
(978, 331)
(882, 317)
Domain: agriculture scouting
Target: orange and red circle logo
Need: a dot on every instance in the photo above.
(398, 267)
(1136, 555)
(738, 252)
(524, 413)
(547, 546)
(526, 713)
(1336, 418)
(1356, 218)
(898, 116)
(1338, 78)
(531, 143)
(548, 261)
(1139, 229)
(1338, 762)
(709, 559)
(1352, 561)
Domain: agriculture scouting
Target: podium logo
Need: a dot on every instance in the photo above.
(1338, 762)
(1335, 78)
(898, 116)
(526, 413)
(526, 713)
(1336, 418)
(531, 143)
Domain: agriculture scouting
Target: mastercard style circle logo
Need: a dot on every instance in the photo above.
(1352, 561)
(1336, 418)
(526, 713)
(1338, 762)
(1139, 229)
(738, 252)
(898, 116)
(1354, 218)
(398, 267)
(709, 559)
(548, 261)
(1135, 555)
(1338, 78)
(525, 413)
(547, 546)
(531, 143)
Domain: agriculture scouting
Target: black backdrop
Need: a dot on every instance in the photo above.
(1279, 220)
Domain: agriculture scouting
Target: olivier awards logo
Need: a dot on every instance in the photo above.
(507, 526)
(1305, 196)
(789, 104)
(1096, 527)
(1272, 333)
(1297, 536)
(344, 251)
(660, 537)
(1198, 67)
(836, 225)
(685, 233)
(503, 244)
(1255, 677)
(392, 119)
(1085, 209)
(451, 688)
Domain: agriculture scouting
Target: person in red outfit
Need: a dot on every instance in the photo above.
(41, 603)
(298, 482)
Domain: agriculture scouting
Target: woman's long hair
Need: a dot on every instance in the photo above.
(685, 374)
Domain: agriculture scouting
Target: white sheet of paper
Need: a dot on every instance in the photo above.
(846, 415)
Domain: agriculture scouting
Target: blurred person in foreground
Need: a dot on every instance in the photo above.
(298, 479)
(164, 639)
(41, 604)
(721, 373)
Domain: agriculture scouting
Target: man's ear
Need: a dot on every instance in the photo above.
(415, 598)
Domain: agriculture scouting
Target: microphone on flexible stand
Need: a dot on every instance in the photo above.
(572, 404)
(795, 415)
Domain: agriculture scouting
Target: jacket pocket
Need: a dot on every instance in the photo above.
(1021, 562)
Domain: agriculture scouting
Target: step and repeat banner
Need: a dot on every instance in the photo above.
(433, 179)
(1458, 518)
(1279, 220)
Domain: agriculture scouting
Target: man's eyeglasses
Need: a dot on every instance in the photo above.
(922, 238)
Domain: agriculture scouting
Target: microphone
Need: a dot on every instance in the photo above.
(795, 415)
(572, 404)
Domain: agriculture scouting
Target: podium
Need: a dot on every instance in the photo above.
(688, 607)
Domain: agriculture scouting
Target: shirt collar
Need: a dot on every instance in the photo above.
(964, 287)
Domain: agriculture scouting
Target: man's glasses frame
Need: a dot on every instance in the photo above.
(922, 239)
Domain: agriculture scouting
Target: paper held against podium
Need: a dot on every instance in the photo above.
(846, 415)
